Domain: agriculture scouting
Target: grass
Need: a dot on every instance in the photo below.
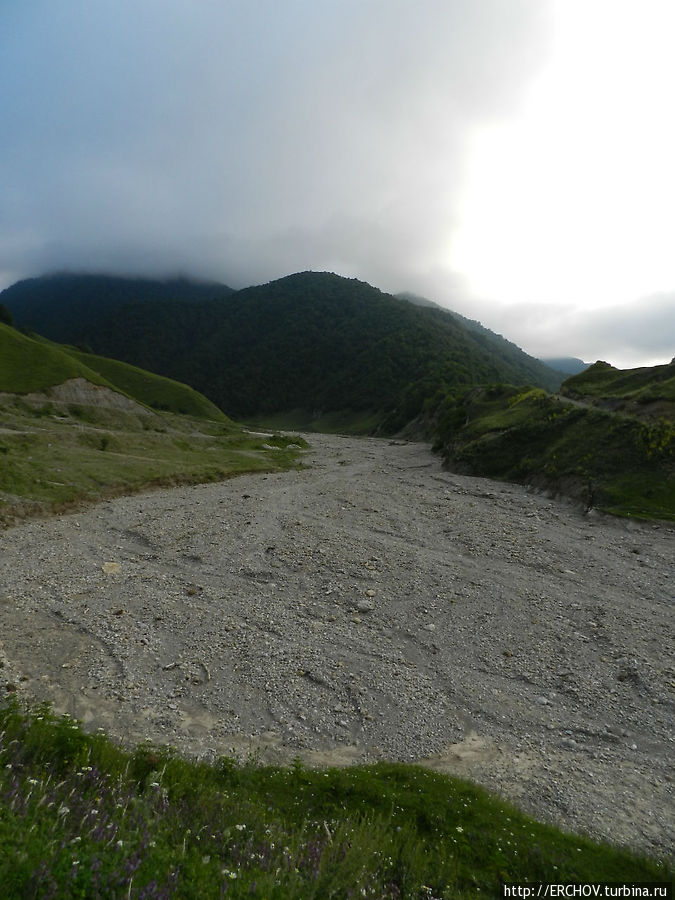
(82, 817)
(640, 392)
(152, 390)
(32, 364)
(53, 456)
(29, 365)
(614, 463)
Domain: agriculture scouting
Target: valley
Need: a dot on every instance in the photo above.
(371, 605)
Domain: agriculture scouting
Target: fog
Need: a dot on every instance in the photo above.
(248, 140)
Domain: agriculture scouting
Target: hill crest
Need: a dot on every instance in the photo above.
(311, 342)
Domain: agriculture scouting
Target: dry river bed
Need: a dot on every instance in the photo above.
(371, 606)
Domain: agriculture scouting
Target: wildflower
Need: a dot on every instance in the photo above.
(459, 828)
(228, 874)
(120, 844)
(240, 827)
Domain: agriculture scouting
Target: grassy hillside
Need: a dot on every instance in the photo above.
(313, 344)
(52, 457)
(152, 390)
(33, 364)
(54, 454)
(27, 365)
(614, 463)
(647, 392)
(79, 817)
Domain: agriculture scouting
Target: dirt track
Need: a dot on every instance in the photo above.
(370, 606)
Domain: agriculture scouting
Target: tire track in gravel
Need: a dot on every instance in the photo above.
(369, 606)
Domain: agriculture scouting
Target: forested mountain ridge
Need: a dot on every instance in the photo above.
(311, 341)
(57, 305)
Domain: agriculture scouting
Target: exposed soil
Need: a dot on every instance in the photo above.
(83, 392)
(369, 606)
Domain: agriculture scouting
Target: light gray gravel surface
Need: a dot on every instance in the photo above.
(371, 606)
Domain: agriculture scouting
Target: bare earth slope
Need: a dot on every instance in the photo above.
(371, 606)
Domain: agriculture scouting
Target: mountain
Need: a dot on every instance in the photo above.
(307, 345)
(647, 392)
(570, 365)
(35, 365)
(417, 300)
(494, 342)
(55, 305)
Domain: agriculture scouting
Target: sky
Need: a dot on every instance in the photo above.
(510, 159)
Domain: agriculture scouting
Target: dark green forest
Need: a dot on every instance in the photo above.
(311, 342)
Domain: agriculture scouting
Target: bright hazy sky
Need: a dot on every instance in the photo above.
(513, 160)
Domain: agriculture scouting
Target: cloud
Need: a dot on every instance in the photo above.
(249, 139)
(625, 335)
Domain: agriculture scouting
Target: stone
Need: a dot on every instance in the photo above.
(365, 606)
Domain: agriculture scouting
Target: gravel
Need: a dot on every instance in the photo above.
(371, 606)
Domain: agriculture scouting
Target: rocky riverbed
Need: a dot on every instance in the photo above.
(370, 606)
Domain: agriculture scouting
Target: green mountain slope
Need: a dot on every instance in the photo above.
(152, 390)
(59, 305)
(311, 343)
(537, 370)
(648, 393)
(30, 364)
(612, 462)
(65, 437)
